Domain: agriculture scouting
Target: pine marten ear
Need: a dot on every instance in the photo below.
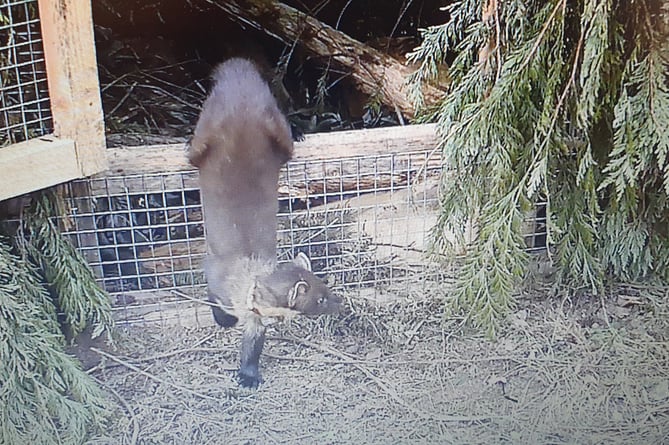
(302, 261)
(300, 288)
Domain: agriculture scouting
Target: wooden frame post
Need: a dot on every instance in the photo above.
(72, 75)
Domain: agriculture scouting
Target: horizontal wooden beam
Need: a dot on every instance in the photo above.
(129, 161)
(36, 164)
(138, 169)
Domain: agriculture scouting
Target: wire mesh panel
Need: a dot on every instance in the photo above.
(363, 221)
(24, 102)
(144, 237)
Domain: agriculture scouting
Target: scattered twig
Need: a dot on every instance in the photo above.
(151, 376)
(196, 300)
(391, 392)
(120, 103)
(131, 412)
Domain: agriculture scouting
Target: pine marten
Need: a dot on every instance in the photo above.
(240, 142)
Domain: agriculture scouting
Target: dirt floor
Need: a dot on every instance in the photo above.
(563, 371)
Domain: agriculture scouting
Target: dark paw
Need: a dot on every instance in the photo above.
(223, 318)
(296, 132)
(248, 380)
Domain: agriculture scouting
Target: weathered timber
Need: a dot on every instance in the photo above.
(133, 169)
(72, 75)
(373, 72)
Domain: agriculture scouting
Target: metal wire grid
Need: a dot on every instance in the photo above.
(24, 103)
(133, 230)
(363, 221)
(366, 220)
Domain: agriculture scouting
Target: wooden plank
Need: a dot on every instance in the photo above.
(76, 107)
(297, 180)
(322, 146)
(373, 141)
(144, 167)
(36, 164)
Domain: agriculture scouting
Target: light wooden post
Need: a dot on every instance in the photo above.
(77, 148)
(72, 75)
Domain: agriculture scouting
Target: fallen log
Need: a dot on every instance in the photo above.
(373, 72)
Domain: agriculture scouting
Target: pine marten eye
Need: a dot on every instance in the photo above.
(322, 300)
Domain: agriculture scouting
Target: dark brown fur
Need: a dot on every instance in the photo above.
(240, 143)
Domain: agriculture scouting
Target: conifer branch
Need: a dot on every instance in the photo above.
(588, 136)
(45, 396)
(544, 29)
(77, 294)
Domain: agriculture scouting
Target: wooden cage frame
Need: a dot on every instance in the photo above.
(77, 146)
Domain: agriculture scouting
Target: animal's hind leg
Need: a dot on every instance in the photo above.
(253, 340)
(222, 317)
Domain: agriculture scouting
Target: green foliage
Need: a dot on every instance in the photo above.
(45, 396)
(558, 101)
(638, 170)
(69, 277)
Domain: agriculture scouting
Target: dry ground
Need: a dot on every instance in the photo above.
(570, 371)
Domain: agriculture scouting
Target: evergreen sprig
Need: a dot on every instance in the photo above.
(563, 102)
(45, 396)
(638, 170)
(72, 282)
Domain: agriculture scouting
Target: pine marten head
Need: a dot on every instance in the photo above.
(294, 286)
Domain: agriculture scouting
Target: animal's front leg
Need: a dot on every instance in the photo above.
(253, 340)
